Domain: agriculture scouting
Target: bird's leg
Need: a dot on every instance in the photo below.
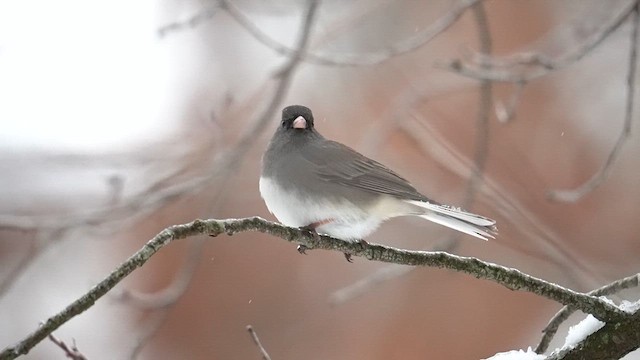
(311, 228)
(302, 249)
(362, 243)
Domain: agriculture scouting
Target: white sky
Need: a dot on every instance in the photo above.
(80, 75)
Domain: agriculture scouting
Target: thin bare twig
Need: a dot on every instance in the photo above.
(284, 77)
(193, 21)
(502, 70)
(507, 277)
(562, 315)
(148, 331)
(23, 263)
(506, 113)
(157, 195)
(400, 48)
(528, 224)
(70, 352)
(482, 139)
(480, 157)
(256, 340)
(573, 195)
(169, 295)
(225, 167)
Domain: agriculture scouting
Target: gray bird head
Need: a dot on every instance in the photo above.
(297, 118)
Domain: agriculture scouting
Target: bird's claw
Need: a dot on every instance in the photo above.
(362, 243)
(302, 249)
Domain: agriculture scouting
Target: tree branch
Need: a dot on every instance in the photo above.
(256, 340)
(602, 174)
(509, 278)
(225, 167)
(502, 70)
(562, 315)
(69, 352)
(481, 151)
(400, 48)
(480, 156)
(613, 341)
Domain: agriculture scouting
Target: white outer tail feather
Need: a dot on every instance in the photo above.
(457, 219)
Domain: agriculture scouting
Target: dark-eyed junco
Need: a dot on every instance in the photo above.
(310, 182)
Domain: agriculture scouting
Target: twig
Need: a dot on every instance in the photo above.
(507, 277)
(70, 352)
(480, 157)
(170, 294)
(400, 48)
(573, 195)
(506, 113)
(562, 315)
(256, 340)
(284, 77)
(225, 167)
(32, 252)
(203, 15)
(481, 152)
(501, 70)
(527, 223)
(361, 286)
(148, 331)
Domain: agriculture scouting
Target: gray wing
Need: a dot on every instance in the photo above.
(337, 163)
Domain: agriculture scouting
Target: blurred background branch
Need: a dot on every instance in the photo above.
(172, 125)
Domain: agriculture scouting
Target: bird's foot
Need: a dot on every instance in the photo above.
(363, 245)
(302, 249)
(311, 229)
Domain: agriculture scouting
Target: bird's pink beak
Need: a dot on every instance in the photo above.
(299, 123)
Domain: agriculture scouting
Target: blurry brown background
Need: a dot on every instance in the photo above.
(70, 214)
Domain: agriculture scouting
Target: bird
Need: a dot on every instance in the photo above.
(323, 186)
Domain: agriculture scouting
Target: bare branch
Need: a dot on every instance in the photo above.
(202, 16)
(573, 195)
(70, 352)
(154, 196)
(481, 151)
(613, 341)
(360, 287)
(562, 315)
(148, 331)
(23, 263)
(400, 48)
(502, 70)
(506, 112)
(225, 167)
(256, 340)
(284, 77)
(172, 293)
(475, 179)
(509, 278)
(526, 222)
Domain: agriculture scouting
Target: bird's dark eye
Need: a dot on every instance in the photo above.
(284, 123)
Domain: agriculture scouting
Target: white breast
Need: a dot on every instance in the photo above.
(350, 222)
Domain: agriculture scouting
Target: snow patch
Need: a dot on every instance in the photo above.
(517, 355)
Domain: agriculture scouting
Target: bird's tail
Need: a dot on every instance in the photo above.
(458, 219)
